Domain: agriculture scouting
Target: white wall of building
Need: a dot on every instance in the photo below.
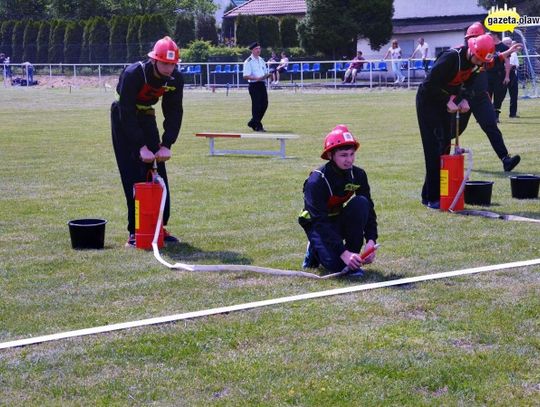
(408, 43)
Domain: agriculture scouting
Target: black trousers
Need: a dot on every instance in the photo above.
(350, 224)
(434, 124)
(497, 90)
(130, 166)
(513, 91)
(484, 113)
(259, 104)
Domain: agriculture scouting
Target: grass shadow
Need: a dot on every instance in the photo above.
(184, 252)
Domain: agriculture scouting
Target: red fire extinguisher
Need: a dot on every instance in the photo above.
(147, 204)
(452, 175)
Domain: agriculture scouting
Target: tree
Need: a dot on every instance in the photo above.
(227, 25)
(246, 30)
(7, 35)
(56, 42)
(132, 39)
(16, 42)
(30, 41)
(268, 29)
(205, 29)
(197, 7)
(373, 20)
(117, 40)
(98, 40)
(79, 9)
(84, 57)
(333, 26)
(184, 31)
(288, 32)
(199, 51)
(22, 9)
(43, 42)
(73, 41)
(153, 27)
(142, 7)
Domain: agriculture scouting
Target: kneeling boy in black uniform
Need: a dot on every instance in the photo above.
(338, 211)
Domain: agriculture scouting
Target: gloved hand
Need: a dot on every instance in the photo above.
(163, 154)
(146, 155)
(451, 107)
(463, 106)
(351, 260)
(369, 259)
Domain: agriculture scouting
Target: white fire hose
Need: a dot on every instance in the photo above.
(465, 178)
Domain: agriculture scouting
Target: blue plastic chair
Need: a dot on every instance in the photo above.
(295, 69)
(227, 69)
(339, 67)
(336, 68)
(306, 68)
(316, 68)
(417, 65)
(217, 69)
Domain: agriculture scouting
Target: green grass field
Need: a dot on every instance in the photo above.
(472, 340)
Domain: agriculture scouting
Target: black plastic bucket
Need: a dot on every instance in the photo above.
(478, 192)
(525, 186)
(87, 233)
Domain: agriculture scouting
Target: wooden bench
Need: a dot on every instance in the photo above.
(259, 136)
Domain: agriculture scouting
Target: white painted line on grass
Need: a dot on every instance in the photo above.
(258, 304)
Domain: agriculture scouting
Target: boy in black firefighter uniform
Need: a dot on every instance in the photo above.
(135, 134)
(482, 107)
(338, 211)
(443, 92)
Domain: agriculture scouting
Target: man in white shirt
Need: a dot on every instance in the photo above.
(422, 49)
(256, 73)
(513, 84)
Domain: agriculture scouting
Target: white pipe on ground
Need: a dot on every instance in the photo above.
(264, 303)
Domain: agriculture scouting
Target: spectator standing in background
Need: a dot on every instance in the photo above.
(422, 49)
(256, 73)
(513, 84)
(395, 55)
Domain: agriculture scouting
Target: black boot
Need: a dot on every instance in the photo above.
(510, 162)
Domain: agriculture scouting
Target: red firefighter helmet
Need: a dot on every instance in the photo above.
(482, 47)
(475, 30)
(338, 138)
(342, 127)
(165, 50)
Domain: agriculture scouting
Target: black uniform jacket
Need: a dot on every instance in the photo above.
(450, 72)
(138, 90)
(326, 190)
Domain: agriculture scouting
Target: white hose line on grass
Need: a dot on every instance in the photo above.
(223, 267)
(264, 303)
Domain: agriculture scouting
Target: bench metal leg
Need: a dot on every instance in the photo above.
(282, 148)
(211, 142)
